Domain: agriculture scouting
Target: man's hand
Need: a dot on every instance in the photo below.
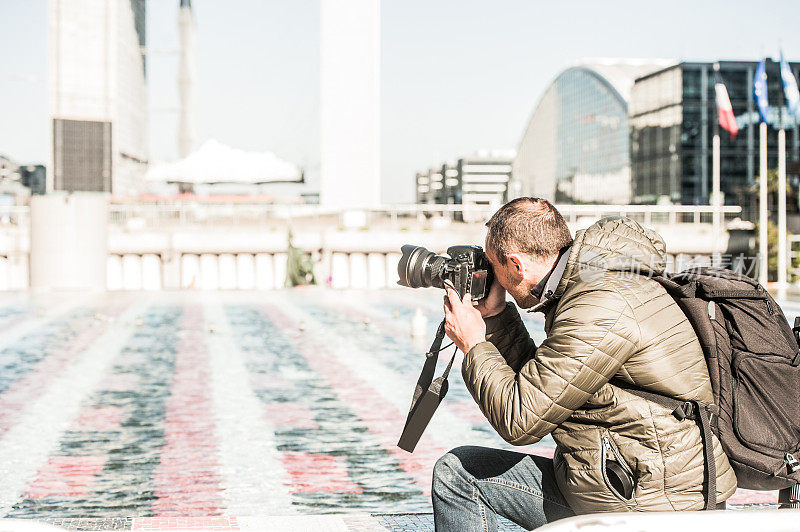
(495, 302)
(463, 322)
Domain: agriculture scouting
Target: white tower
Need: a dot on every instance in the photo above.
(350, 103)
(186, 79)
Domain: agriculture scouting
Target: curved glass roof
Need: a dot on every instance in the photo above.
(576, 146)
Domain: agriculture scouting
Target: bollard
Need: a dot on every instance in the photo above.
(419, 324)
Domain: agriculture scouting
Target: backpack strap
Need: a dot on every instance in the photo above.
(734, 294)
(699, 412)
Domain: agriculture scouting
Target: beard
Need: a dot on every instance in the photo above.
(523, 298)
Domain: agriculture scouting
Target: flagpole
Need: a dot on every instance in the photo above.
(763, 209)
(781, 200)
(782, 256)
(715, 184)
(717, 225)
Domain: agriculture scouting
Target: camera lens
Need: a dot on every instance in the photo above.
(420, 268)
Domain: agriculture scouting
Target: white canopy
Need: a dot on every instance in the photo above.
(215, 162)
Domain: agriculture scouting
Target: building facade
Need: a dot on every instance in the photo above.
(97, 92)
(576, 148)
(20, 181)
(482, 179)
(34, 177)
(672, 119)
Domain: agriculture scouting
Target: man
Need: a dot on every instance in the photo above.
(605, 319)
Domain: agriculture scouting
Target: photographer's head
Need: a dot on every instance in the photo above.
(523, 242)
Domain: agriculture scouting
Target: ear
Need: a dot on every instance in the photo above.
(517, 263)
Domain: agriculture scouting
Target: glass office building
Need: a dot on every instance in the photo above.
(576, 146)
(672, 118)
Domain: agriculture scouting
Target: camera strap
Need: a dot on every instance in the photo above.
(428, 393)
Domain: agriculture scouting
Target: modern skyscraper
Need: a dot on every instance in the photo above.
(98, 98)
(350, 103)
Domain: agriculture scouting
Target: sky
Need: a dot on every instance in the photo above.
(457, 76)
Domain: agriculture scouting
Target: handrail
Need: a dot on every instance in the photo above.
(192, 211)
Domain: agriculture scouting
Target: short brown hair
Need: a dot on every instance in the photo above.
(527, 225)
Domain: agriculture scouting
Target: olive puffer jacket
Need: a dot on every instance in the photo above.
(604, 319)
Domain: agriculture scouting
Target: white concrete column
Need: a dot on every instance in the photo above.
(392, 260)
(171, 269)
(18, 271)
(279, 262)
(376, 263)
(350, 103)
(114, 272)
(69, 239)
(131, 272)
(340, 271)
(245, 271)
(358, 270)
(227, 271)
(265, 276)
(209, 272)
(322, 270)
(4, 273)
(190, 271)
(151, 272)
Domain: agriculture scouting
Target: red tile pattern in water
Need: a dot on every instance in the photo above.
(99, 418)
(14, 400)
(468, 411)
(294, 415)
(753, 497)
(185, 523)
(66, 476)
(380, 417)
(317, 472)
(187, 480)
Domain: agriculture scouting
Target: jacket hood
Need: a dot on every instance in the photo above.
(615, 244)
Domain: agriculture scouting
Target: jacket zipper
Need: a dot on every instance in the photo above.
(611, 449)
(766, 300)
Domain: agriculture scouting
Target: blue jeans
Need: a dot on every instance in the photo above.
(472, 485)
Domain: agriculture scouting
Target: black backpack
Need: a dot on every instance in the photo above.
(754, 365)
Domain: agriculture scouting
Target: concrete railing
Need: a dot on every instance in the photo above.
(267, 271)
(181, 213)
(245, 271)
(195, 245)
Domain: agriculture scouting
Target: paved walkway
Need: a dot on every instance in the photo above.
(750, 520)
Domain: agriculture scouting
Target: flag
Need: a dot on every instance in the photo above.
(724, 109)
(790, 88)
(760, 91)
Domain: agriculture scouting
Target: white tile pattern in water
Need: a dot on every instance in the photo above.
(302, 394)
(255, 481)
(26, 446)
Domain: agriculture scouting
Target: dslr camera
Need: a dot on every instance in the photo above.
(466, 267)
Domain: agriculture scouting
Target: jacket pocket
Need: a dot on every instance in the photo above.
(617, 475)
